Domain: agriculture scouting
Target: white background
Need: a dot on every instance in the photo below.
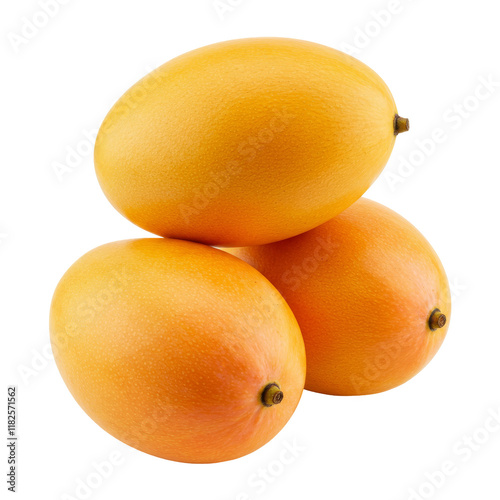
(58, 86)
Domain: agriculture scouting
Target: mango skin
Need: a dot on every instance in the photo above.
(168, 344)
(362, 287)
(246, 142)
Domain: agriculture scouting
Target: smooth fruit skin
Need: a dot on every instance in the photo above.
(362, 287)
(168, 345)
(246, 142)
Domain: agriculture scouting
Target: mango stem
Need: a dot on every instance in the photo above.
(401, 125)
(272, 395)
(436, 320)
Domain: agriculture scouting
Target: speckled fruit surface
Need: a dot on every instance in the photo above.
(370, 295)
(246, 142)
(177, 349)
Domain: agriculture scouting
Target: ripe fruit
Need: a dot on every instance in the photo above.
(369, 293)
(177, 349)
(246, 142)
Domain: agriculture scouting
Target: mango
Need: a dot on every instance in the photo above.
(370, 294)
(246, 142)
(177, 349)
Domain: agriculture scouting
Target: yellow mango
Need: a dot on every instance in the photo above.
(246, 142)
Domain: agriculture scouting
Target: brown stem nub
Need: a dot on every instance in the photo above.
(401, 125)
(436, 320)
(271, 395)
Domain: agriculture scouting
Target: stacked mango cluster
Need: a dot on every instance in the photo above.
(263, 147)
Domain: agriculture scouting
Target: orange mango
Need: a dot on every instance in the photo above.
(177, 349)
(370, 295)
